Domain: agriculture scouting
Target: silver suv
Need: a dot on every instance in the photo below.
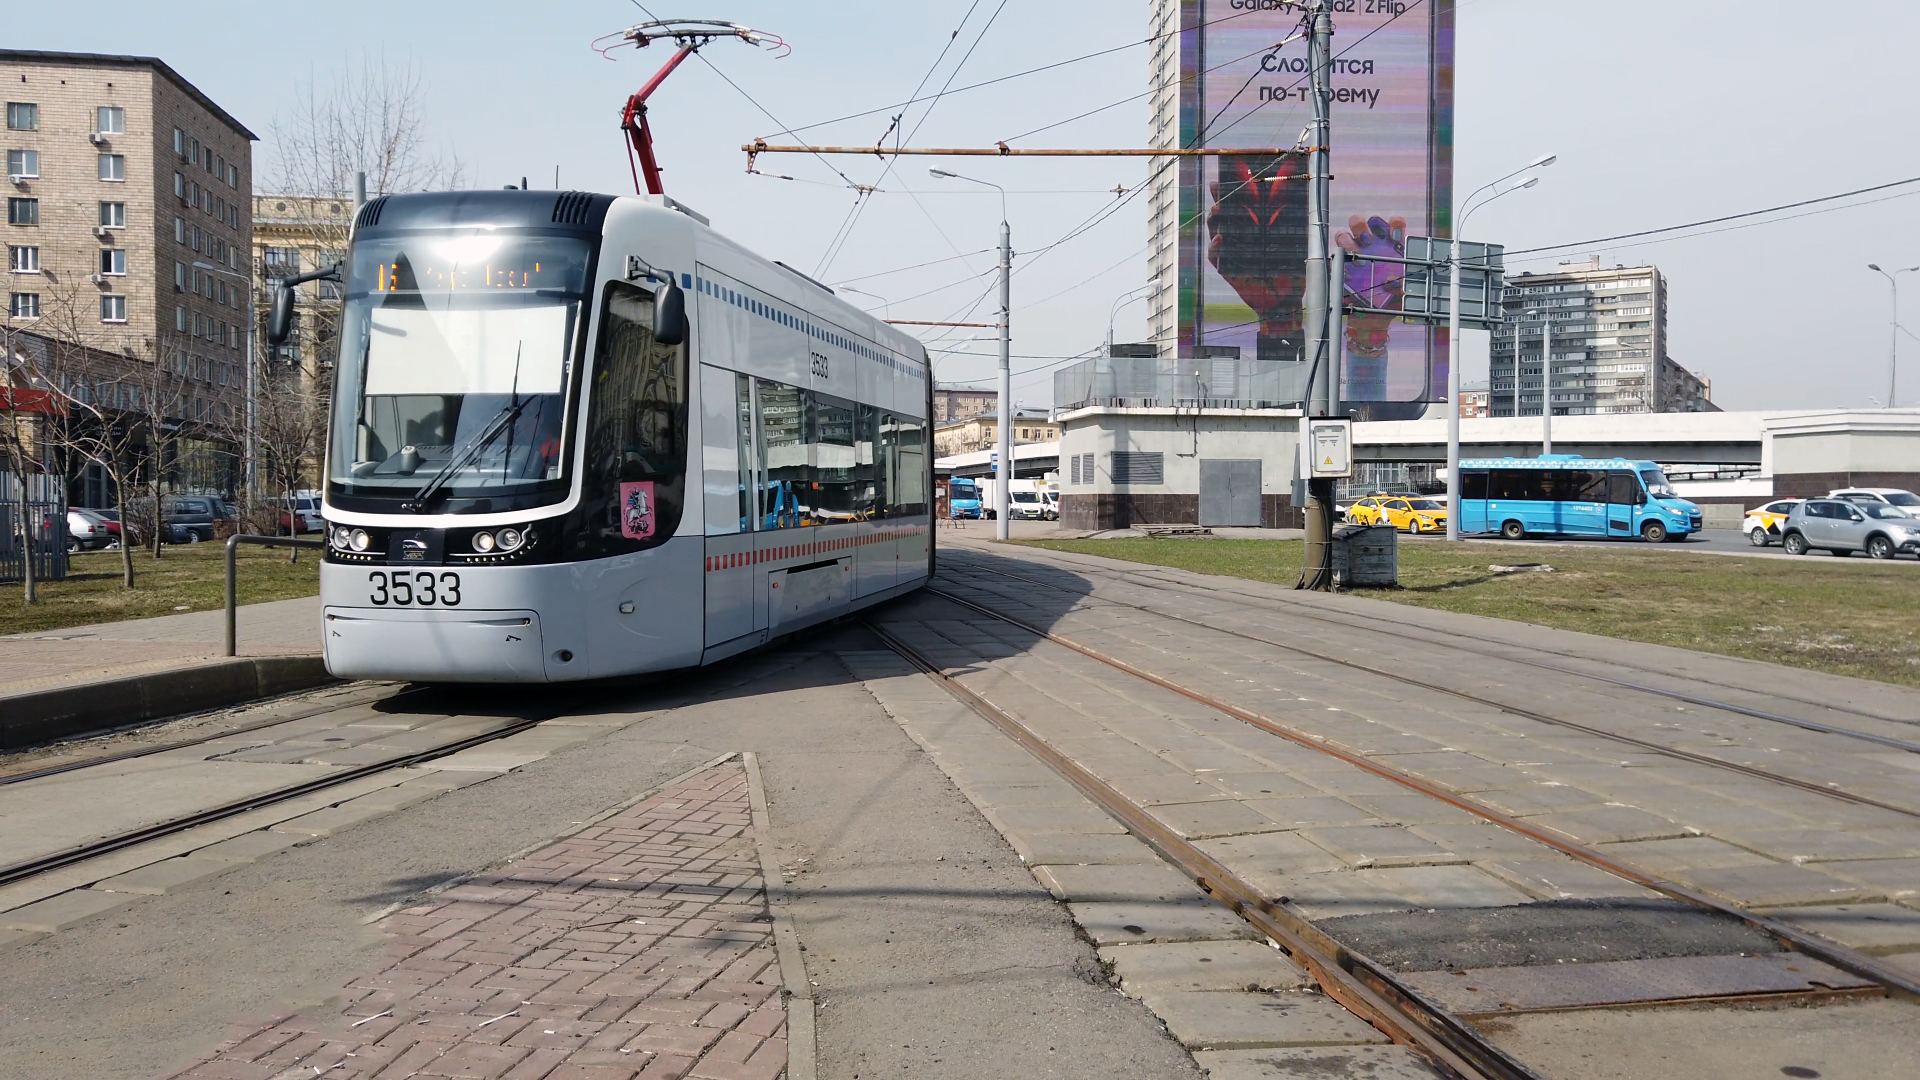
(1879, 529)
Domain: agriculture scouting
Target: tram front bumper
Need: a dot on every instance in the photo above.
(440, 645)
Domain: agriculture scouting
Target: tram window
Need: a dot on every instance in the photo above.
(785, 496)
(910, 496)
(720, 465)
(743, 414)
(833, 452)
(637, 426)
(870, 496)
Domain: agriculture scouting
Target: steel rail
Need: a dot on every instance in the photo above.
(1363, 987)
(21, 871)
(1303, 611)
(1515, 710)
(129, 755)
(1838, 955)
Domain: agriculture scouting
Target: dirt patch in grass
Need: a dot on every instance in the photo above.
(189, 577)
(1859, 620)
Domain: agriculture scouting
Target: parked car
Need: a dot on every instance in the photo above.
(1900, 497)
(1763, 524)
(1411, 513)
(302, 513)
(1882, 530)
(87, 531)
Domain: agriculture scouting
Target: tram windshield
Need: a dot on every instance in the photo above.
(456, 351)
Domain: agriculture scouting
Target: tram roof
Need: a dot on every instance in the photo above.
(1554, 461)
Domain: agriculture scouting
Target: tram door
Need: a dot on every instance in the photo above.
(728, 473)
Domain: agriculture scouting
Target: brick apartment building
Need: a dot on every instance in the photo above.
(130, 228)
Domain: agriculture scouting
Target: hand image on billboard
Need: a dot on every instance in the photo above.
(1373, 284)
(1258, 231)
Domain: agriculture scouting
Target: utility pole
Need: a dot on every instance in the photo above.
(1893, 348)
(1318, 573)
(1453, 387)
(1004, 467)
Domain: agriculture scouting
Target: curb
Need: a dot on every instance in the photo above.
(45, 715)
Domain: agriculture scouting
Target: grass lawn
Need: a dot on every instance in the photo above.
(1856, 620)
(189, 577)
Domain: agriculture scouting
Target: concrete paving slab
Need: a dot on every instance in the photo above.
(332, 819)
(1203, 965)
(1338, 778)
(1202, 819)
(1140, 924)
(1480, 840)
(490, 757)
(1011, 796)
(1294, 1063)
(1777, 885)
(1067, 849)
(1899, 879)
(1878, 929)
(1268, 783)
(1609, 825)
(1561, 878)
(1362, 846)
(58, 912)
(1242, 1021)
(1436, 887)
(1313, 810)
(1166, 787)
(1085, 818)
(1815, 845)
(1123, 884)
(1411, 809)
(1331, 896)
(249, 847)
(1028, 775)
(1669, 857)
(161, 878)
(1528, 799)
(1271, 854)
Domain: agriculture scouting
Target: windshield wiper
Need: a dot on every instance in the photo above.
(459, 459)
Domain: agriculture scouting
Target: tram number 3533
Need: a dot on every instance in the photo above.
(421, 588)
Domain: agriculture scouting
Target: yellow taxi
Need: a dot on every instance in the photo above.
(1411, 513)
(1763, 524)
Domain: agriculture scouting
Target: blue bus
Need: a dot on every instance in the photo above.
(963, 498)
(1569, 495)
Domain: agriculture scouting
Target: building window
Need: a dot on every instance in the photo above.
(233, 181)
(180, 316)
(113, 309)
(179, 230)
(23, 211)
(113, 215)
(179, 187)
(24, 305)
(113, 167)
(180, 278)
(23, 260)
(179, 142)
(23, 115)
(23, 164)
(113, 261)
(111, 119)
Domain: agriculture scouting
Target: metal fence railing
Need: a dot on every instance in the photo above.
(1205, 382)
(45, 534)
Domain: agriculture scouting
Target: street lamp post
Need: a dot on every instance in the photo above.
(1893, 345)
(1003, 464)
(886, 305)
(1453, 332)
(248, 459)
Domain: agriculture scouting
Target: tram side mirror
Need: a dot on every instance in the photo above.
(669, 314)
(280, 319)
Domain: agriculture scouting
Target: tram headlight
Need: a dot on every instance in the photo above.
(483, 542)
(358, 540)
(342, 536)
(509, 539)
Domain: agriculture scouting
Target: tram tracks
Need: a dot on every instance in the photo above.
(1663, 749)
(42, 864)
(1794, 937)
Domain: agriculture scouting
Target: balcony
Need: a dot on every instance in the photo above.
(1173, 382)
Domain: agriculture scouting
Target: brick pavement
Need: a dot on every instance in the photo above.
(641, 946)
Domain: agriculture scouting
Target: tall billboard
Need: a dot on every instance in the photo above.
(1244, 218)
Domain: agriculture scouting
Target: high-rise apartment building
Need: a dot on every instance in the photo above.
(130, 220)
(1163, 192)
(1609, 346)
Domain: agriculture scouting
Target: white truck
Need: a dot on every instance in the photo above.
(1026, 500)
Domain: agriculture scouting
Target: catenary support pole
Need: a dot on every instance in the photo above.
(1003, 468)
(1336, 329)
(1319, 523)
(1453, 388)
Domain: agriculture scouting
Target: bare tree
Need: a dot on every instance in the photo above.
(368, 118)
(25, 437)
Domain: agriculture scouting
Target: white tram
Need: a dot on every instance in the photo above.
(578, 436)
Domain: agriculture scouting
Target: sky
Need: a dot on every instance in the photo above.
(1661, 111)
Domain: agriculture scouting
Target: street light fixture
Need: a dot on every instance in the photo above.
(886, 305)
(1453, 329)
(1893, 347)
(1003, 463)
